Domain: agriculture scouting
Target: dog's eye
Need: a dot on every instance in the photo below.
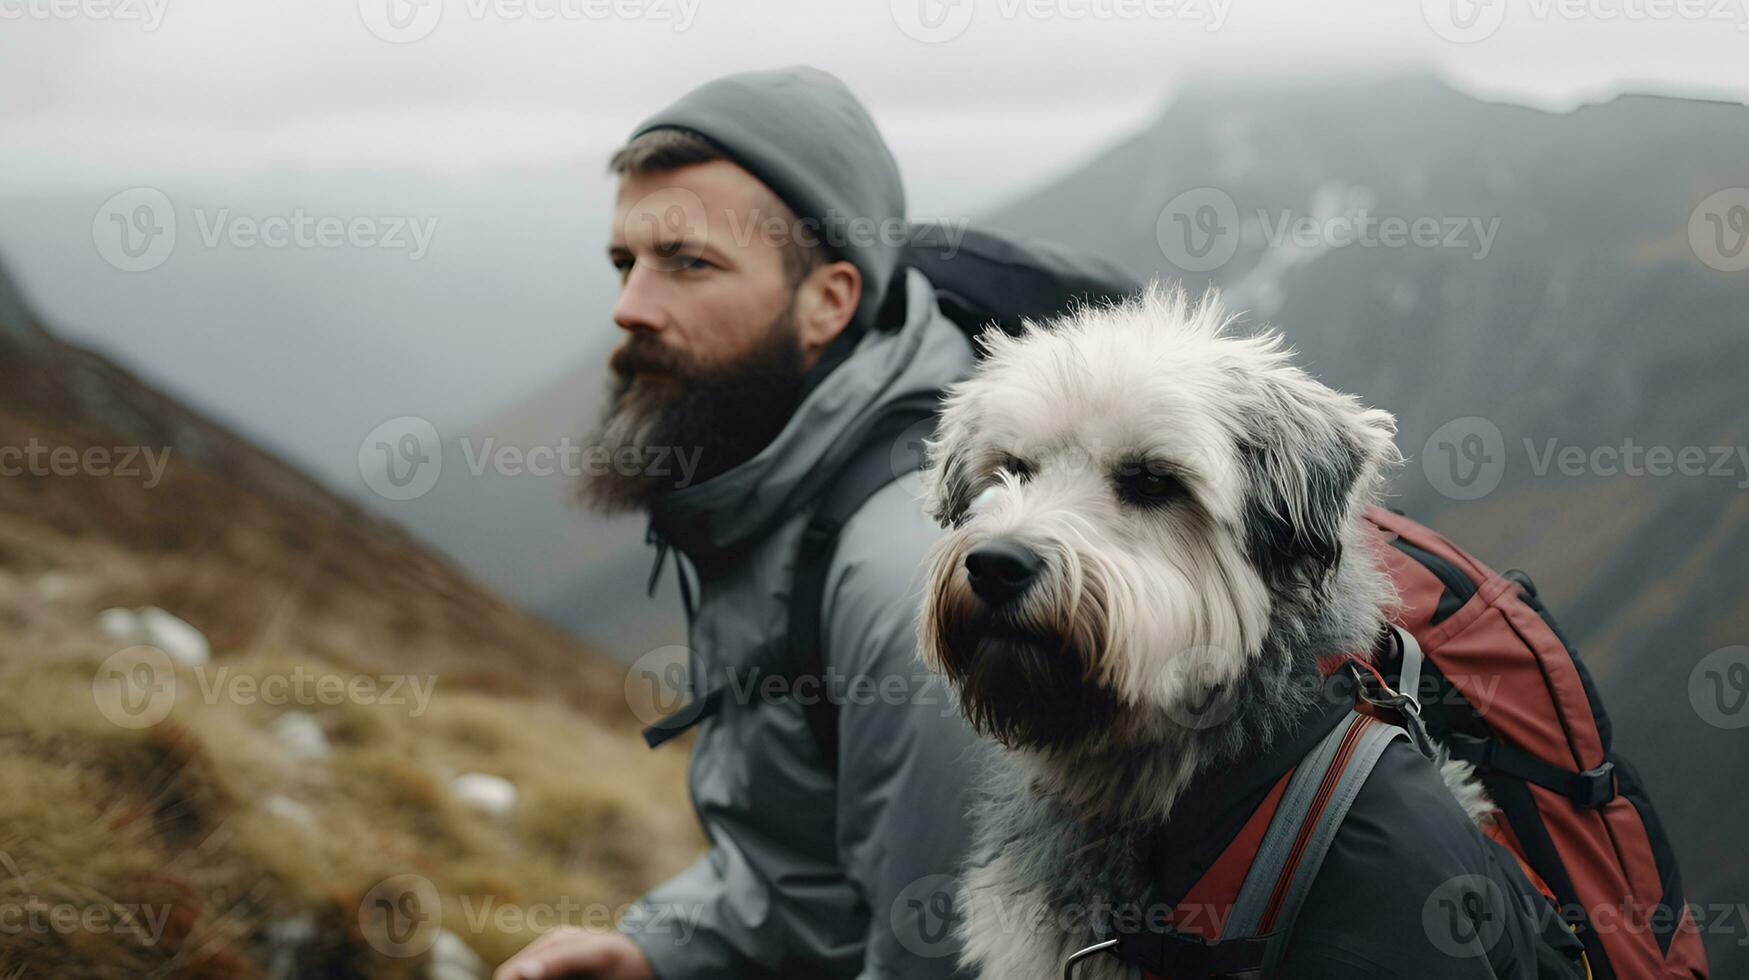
(1021, 469)
(1148, 482)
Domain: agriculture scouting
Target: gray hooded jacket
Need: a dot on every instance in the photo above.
(810, 874)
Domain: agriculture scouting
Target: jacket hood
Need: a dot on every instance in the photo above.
(717, 520)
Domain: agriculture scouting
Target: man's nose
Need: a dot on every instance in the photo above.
(638, 307)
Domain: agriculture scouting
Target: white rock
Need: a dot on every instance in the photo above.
(184, 643)
(486, 793)
(301, 735)
(155, 627)
(120, 625)
(289, 810)
(53, 585)
(451, 959)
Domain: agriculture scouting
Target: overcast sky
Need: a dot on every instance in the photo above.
(978, 97)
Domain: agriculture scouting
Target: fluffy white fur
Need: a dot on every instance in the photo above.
(1233, 588)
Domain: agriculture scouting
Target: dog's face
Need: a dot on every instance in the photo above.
(1133, 495)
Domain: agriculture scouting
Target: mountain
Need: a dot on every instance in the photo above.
(332, 729)
(1572, 306)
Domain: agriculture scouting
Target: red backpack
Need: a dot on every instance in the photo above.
(1504, 689)
(1499, 685)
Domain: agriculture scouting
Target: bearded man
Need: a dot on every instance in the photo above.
(769, 323)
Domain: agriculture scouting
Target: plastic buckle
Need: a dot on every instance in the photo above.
(1595, 787)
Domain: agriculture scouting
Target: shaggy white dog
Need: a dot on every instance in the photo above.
(1155, 534)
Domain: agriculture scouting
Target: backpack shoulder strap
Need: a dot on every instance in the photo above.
(1285, 880)
(1311, 810)
(871, 468)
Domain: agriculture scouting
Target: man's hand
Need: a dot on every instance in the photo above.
(572, 952)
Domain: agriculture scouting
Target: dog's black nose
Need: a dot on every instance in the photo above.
(1000, 570)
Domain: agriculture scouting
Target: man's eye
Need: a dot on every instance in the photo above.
(682, 262)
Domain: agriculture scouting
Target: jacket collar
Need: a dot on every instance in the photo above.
(715, 522)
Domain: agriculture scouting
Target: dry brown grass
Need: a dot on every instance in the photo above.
(98, 818)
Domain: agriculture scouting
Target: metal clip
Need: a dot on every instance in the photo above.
(1076, 957)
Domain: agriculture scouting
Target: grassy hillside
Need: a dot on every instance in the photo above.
(207, 844)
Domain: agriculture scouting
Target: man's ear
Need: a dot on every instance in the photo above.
(1312, 456)
(826, 302)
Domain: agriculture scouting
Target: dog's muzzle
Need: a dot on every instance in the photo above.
(1021, 671)
(1001, 570)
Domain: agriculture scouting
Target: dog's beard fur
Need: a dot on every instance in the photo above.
(725, 414)
(1024, 680)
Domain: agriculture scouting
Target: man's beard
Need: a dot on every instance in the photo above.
(721, 416)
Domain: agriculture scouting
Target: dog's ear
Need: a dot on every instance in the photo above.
(948, 472)
(1312, 457)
